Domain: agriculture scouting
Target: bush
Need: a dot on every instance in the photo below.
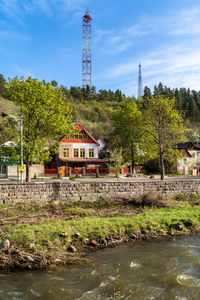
(103, 202)
(153, 166)
(153, 199)
(77, 175)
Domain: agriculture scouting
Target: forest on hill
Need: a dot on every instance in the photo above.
(94, 109)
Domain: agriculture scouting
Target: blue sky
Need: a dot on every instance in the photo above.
(42, 39)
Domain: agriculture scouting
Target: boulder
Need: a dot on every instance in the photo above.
(28, 257)
(64, 234)
(171, 233)
(6, 244)
(132, 236)
(179, 226)
(189, 223)
(76, 235)
(93, 243)
(72, 249)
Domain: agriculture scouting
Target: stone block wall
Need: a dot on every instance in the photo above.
(28, 192)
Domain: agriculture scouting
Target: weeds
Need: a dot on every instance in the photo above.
(153, 199)
(103, 202)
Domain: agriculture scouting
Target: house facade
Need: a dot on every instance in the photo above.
(78, 149)
(189, 164)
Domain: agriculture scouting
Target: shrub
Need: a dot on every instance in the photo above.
(103, 202)
(153, 166)
(153, 199)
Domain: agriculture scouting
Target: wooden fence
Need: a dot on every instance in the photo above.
(84, 171)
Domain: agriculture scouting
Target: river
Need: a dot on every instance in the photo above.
(142, 271)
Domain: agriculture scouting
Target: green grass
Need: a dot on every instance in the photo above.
(158, 220)
(182, 197)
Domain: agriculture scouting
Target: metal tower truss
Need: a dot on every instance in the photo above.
(140, 89)
(87, 51)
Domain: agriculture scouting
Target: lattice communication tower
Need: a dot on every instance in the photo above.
(87, 51)
(140, 89)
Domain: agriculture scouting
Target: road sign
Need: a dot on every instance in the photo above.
(22, 168)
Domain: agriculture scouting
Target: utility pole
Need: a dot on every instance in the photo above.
(86, 51)
(21, 147)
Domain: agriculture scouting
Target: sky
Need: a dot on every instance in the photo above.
(43, 39)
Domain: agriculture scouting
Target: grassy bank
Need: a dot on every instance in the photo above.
(157, 220)
(57, 233)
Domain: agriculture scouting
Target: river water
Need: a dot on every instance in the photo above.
(147, 270)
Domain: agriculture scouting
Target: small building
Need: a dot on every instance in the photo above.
(189, 164)
(78, 150)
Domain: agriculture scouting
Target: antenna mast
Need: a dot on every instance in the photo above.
(86, 51)
(140, 91)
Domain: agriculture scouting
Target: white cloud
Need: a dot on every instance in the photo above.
(22, 71)
(114, 42)
(18, 10)
(173, 59)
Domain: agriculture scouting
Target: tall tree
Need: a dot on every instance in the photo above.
(164, 126)
(3, 89)
(45, 117)
(127, 132)
(147, 94)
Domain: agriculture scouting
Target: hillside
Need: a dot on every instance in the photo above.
(94, 109)
(95, 115)
(7, 108)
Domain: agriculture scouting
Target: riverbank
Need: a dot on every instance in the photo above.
(53, 234)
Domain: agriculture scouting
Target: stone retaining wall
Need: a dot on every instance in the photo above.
(13, 193)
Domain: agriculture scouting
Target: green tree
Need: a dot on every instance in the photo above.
(8, 149)
(164, 127)
(54, 83)
(45, 117)
(116, 161)
(127, 132)
(3, 88)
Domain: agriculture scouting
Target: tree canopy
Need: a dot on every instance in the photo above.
(45, 117)
(127, 132)
(164, 127)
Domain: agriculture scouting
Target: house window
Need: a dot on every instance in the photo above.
(66, 152)
(91, 153)
(75, 152)
(82, 152)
